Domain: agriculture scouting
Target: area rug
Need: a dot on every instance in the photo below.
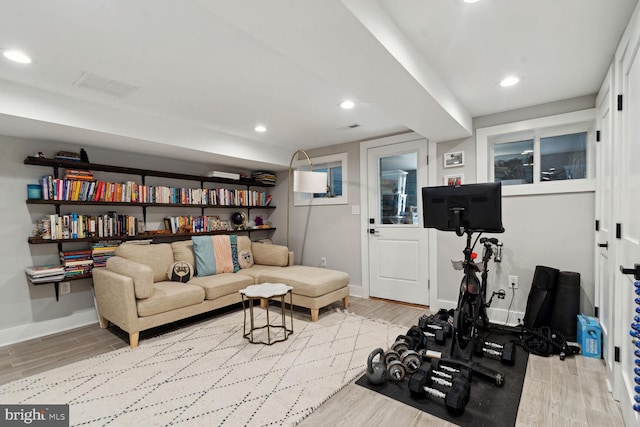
(489, 405)
(210, 375)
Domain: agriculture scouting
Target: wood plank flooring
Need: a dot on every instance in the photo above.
(556, 393)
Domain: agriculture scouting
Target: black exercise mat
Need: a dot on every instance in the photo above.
(489, 405)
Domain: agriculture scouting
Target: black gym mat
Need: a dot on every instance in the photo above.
(489, 405)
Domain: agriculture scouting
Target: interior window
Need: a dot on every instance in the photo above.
(563, 157)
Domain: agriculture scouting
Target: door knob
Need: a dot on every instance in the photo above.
(635, 271)
(373, 231)
(604, 245)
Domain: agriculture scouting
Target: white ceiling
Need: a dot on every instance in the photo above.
(207, 71)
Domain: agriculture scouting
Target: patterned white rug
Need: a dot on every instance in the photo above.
(211, 376)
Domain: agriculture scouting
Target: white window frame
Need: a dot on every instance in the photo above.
(305, 199)
(561, 124)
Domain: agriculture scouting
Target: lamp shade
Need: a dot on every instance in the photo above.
(309, 182)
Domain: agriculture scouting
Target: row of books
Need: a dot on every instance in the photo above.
(74, 263)
(195, 224)
(132, 192)
(76, 226)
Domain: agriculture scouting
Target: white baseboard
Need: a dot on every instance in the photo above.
(496, 315)
(357, 291)
(39, 329)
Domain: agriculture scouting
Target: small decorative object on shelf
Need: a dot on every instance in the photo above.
(83, 156)
(239, 220)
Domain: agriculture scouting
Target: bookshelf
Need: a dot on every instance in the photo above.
(157, 236)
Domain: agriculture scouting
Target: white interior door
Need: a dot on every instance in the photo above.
(628, 253)
(397, 243)
(605, 240)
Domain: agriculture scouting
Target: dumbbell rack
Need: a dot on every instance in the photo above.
(635, 333)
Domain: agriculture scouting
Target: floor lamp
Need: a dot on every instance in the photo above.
(304, 182)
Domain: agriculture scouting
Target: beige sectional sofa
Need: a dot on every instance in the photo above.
(134, 291)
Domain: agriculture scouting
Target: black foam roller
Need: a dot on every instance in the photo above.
(566, 305)
(541, 297)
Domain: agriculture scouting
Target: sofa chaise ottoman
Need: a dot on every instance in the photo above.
(134, 290)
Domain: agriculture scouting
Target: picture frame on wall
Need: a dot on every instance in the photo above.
(454, 159)
(454, 180)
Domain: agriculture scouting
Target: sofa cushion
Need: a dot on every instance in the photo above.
(257, 270)
(244, 244)
(215, 254)
(169, 296)
(307, 281)
(222, 284)
(183, 251)
(158, 256)
(266, 254)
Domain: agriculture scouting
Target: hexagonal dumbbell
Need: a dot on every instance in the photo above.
(505, 352)
(455, 398)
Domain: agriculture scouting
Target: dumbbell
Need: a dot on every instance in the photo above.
(420, 336)
(464, 371)
(443, 378)
(399, 365)
(455, 399)
(506, 352)
(433, 323)
(404, 343)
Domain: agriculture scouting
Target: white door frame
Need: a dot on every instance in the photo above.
(364, 215)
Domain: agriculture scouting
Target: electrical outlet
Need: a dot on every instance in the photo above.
(323, 262)
(513, 282)
(65, 288)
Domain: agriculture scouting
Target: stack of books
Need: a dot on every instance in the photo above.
(76, 263)
(102, 251)
(45, 273)
(68, 155)
(264, 177)
(78, 174)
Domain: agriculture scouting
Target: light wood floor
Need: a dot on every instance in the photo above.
(556, 393)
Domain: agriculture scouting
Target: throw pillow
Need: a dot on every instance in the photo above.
(180, 271)
(215, 254)
(245, 259)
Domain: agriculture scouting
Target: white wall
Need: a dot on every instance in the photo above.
(29, 311)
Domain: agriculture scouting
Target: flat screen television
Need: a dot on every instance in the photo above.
(470, 207)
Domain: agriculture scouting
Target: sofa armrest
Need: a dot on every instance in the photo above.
(115, 299)
(141, 274)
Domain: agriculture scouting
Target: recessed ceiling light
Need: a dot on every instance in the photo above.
(347, 104)
(470, 1)
(509, 81)
(17, 56)
(260, 128)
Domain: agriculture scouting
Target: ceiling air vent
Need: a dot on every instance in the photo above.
(106, 85)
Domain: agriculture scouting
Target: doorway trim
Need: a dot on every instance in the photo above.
(364, 291)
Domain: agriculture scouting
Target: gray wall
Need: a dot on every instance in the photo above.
(29, 311)
(555, 230)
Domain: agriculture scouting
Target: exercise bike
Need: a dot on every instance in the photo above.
(468, 209)
(471, 312)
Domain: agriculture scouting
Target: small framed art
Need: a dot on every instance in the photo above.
(454, 159)
(454, 180)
